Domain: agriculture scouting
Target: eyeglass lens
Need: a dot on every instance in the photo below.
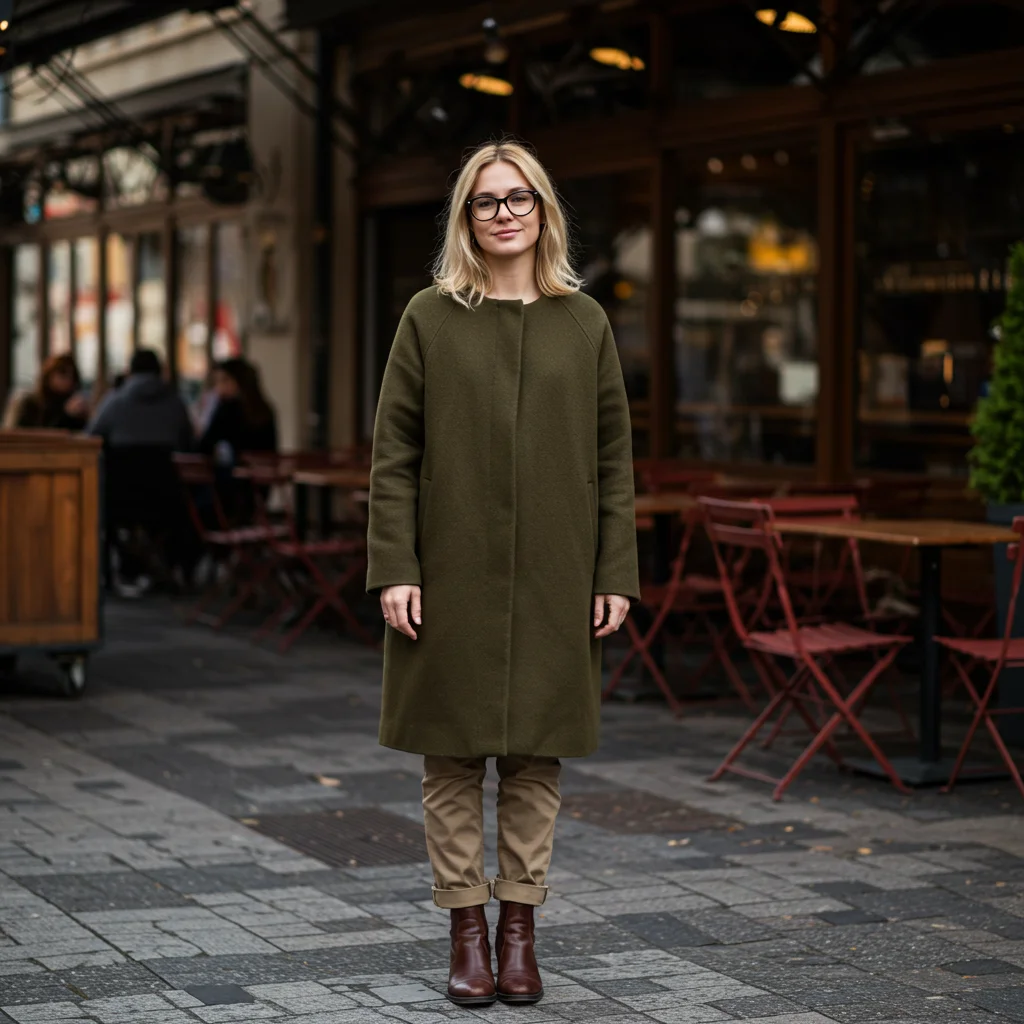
(486, 207)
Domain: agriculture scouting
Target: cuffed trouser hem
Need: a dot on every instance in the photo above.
(520, 892)
(456, 899)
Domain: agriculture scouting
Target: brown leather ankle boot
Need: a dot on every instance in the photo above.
(470, 978)
(518, 977)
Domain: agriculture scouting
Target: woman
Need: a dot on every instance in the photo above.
(55, 403)
(242, 419)
(502, 540)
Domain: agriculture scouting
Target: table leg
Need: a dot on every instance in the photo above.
(931, 684)
(326, 511)
(301, 511)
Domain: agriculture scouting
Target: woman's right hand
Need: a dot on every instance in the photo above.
(397, 603)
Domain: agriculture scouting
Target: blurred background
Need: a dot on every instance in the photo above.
(797, 217)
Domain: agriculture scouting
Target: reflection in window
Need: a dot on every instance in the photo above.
(746, 320)
(25, 325)
(59, 297)
(230, 318)
(151, 292)
(610, 218)
(75, 190)
(935, 222)
(87, 342)
(120, 308)
(193, 319)
(131, 178)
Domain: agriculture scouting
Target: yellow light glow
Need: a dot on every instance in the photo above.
(487, 84)
(769, 253)
(934, 347)
(3, 25)
(616, 58)
(947, 368)
(794, 22)
(624, 290)
(766, 16)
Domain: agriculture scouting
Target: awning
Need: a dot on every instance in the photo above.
(211, 88)
(39, 29)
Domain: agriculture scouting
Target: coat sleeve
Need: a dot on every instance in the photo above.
(616, 570)
(394, 473)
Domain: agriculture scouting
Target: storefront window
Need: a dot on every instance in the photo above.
(120, 308)
(59, 297)
(25, 341)
(746, 308)
(75, 189)
(151, 294)
(936, 218)
(725, 49)
(193, 319)
(231, 265)
(87, 343)
(610, 216)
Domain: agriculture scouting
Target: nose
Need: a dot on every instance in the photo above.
(504, 215)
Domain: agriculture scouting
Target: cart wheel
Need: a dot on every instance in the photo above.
(73, 676)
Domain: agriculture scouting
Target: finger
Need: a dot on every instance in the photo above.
(416, 609)
(598, 609)
(401, 621)
(605, 630)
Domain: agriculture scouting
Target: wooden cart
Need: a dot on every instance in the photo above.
(50, 549)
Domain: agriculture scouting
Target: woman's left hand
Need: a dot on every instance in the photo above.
(618, 608)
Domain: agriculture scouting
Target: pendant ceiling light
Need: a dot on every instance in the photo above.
(489, 84)
(616, 58)
(793, 21)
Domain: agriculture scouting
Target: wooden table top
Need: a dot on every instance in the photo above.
(356, 477)
(663, 503)
(906, 532)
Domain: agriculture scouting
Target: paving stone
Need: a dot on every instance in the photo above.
(972, 968)
(664, 930)
(218, 995)
(850, 917)
(1007, 1002)
(759, 1006)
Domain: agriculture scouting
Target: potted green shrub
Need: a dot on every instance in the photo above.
(997, 459)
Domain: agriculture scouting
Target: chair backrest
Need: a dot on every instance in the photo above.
(748, 526)
(814, 506)
(1015, 552)
(197, 476)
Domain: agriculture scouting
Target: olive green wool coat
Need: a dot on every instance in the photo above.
(501, 484)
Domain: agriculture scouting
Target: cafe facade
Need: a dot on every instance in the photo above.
(797, 217)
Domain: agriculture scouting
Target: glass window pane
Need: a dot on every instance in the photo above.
(25, 343)
(611, 220)
(193, 310)
(75, 189)
(746, 306)
(231, 306)
(120, 309)
(59, 297)
(152, 294)
(87, 345)
(131, 178)
(936, 218)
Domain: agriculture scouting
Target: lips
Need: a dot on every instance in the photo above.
(511, 233)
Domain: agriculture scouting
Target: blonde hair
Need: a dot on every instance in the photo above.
(460, 269)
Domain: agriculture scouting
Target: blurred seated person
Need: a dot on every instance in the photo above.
(238, 420)
(241, 419)
(142, 423)
(56, 402)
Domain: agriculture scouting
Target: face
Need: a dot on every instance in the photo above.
(62, 381)
(225, 385)
(509, 234)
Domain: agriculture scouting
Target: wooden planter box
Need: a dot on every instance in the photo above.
(50, 548)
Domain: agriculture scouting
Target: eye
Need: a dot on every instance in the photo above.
(485, 204)
(520, 200)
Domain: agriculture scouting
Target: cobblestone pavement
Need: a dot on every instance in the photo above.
(141, 881)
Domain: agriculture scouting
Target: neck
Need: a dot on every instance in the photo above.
(514, 278)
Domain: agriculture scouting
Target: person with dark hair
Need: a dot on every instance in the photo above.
(55, 403)
(142, 423)
(145, 411)
(242, 419)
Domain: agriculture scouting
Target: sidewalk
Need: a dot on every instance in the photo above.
(141, 880)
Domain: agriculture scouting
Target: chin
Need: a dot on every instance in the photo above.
(509, 250)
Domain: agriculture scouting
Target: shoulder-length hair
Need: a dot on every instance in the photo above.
(460, 270)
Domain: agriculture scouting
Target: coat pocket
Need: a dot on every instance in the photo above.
(421, 506)
(592, 498)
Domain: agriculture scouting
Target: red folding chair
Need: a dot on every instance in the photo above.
(319, 570)
(817, 687)
(693, 595)
(967, 655)
(241, 551)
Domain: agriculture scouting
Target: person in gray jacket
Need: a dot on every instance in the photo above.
(142, 423)
(145, 411)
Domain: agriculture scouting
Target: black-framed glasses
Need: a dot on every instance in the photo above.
(519, 204)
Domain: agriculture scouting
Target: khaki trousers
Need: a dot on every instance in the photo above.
(453, 816)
